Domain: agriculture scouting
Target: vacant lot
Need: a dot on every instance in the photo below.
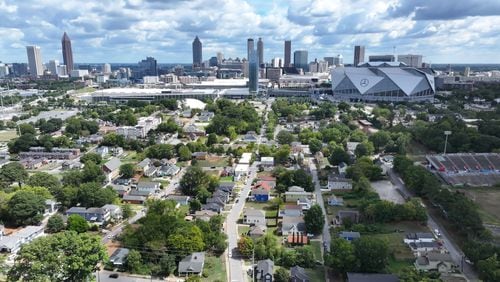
(213, 161)
(7, 135)
(487, 200)
(215, 269)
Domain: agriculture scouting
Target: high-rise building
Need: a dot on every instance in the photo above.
(220, 58)
(260, 51)
(414, 61)
(4, 70)
(147, 67)
(253, 71)
(35, 60)
(52, 67)
(288, 53)
(329, 60)
(61, 70)
(277, 63)
(359, 55)
(250, 47)
(300, 60)
(197, 53)
(467, 72)
(338, 61)
(67, 52)
(19, 69)
(381, 58)
(106, 68)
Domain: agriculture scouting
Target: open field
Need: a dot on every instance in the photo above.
(214, 269)
(487, 200)
(212, 161)
(7, 135)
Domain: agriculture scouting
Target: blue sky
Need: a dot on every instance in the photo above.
(444, 31)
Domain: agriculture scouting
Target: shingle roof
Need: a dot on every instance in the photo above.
(113, 164)
(192, 263)
(371, 277)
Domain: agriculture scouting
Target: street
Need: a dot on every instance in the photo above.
(455, 251)
(320, 202)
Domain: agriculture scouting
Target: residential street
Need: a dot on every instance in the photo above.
(119, 228)
(455, 251)
(320, 202)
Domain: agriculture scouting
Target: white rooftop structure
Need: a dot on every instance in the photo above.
(245, 158)
(194, 103)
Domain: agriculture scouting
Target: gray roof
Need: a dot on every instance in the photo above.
(134, 198)
(144, 163)
(349, 234)
(76, 210)
(148, 185)
(119, 255)
(257, 230)
(371, 277)
(254, 212)
(298, 274)
(113, 164)
(139, 193)
(419, 235)
(424, 245)
(193, 263)
(264, 267)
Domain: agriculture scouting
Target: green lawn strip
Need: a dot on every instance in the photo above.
(215, 269)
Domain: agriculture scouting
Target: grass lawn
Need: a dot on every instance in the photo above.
(214, 269)
(487, 200)
(226, 179)
(316, 247)
(213, 161)
(396, 244)
(7, 135)
(130, 157)
(395, 266)
(316, 274)
(243, 229)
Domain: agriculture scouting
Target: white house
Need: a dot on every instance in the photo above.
(339, 183)
(254, 216)
(245, 158)
(13, 242)
(267, 161)
(419, 237)
(240, 171)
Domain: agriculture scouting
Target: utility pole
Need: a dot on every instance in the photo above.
(446, 134)
(253, 264)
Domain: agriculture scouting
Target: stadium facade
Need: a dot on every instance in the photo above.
(382, 82)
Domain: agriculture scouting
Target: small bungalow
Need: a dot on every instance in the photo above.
(349, 235)
(298, 274)
(264, 270)
(134, 199)
(192, 264)
(204, 215)
(119, 257)
(292, 224)
(257, 231)
(181, 200)
(339, 183)
(254, 217)
(335, 201)
(434, 261)
(260, 194)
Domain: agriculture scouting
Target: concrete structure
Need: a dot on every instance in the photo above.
(288, 53)
(414, 61)
(106, 68)
(250, 47)
(359, 55)
(67, 52)
(392, 84)
(35, 60)
(245, 158)
(300, 59)
(79, 73)
(52, 67)
(147, 67)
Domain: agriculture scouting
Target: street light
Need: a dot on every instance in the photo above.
(446, 133)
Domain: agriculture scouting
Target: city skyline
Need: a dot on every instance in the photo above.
(132, 30)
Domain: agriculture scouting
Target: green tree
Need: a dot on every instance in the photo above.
(134, 261)
(281, 275)
(93, 157)
(43, 179)
(314, 220)
(193, 180)
(186, 240)
(127, 211)
(338, 155)
(77, 223)
(55, 224)
(26, 208)
(380, 139)
(489, 269)
(372, 254)
(285, 137)
(65, 256)
(184, 153)
(245, 246)
(212, 139)
(167, 265)
(13, 172)
(341, 256)
(27, 128)
(127, 170)
(92, 173)
(282, 154)
(315, 145)
(93, 195)
(364, 149)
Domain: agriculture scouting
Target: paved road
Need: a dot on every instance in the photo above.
(454, 250)
(119, 228)
(319, 200)
(103, 276)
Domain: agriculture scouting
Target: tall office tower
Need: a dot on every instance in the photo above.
(61, 70)
(277, 63)
(288, 52)
(250, 47)
(67, 52)
(253, 71)
(329, 60)
(52, 67)
(414, 61)
(148, 67)
(4, 70)
(220, 58)
(260, 51)
(106, 68)
(338, 61)
(359, 55)
(35, 60)
(197, 53)
(467, 72)
(19, 69)
(300, 60)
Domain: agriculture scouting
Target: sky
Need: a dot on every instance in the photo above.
(126, 31)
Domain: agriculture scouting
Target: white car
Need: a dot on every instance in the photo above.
(436, 231)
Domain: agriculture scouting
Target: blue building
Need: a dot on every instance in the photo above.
(300, 60)
(253, 71)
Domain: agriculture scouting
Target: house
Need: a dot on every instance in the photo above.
(215, 207)
(419, 237)
(30, 163)
(246, 158)
(13, 242)
(112, 168)
(192, 264)
(339, 183)
(305, 203)
(351, 147)
(116, 151)
(250, 136)
(297, 238)
(371, 277)
(295, 193)
(187, 113)
(421, 247)
(433, 261)
(267, 161)
(119, 257)
(66, 165)
(353, 216)
(205, 116)
(264, 270)
(204, 215)
(121, 189)
(148, 186)
(134, 199)
(144, 193)
(144, 165)
(335, 201)
(257, 231)
(342, 168)
(114, 211)
(222, 194)
(194, 131)
(298, 274)
(97, 215)
(151, 171)
(349, 235)
(102, 151)
(292, 224)
(122, 181)
(240, 171)
(254, 217)
(168, 170)
(291, 210)
(199, 155)
(226, 186)
(260, 194)
(181, 200)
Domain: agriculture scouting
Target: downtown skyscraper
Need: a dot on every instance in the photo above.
(67, 52)
(250, 47)
(288, 53)
(300, 60)
(260, 51)
(34, 60)
(359, 55)
(197, 53)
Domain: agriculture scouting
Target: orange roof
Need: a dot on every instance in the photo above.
(297, 239)
(267, 178)
(263, 185)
